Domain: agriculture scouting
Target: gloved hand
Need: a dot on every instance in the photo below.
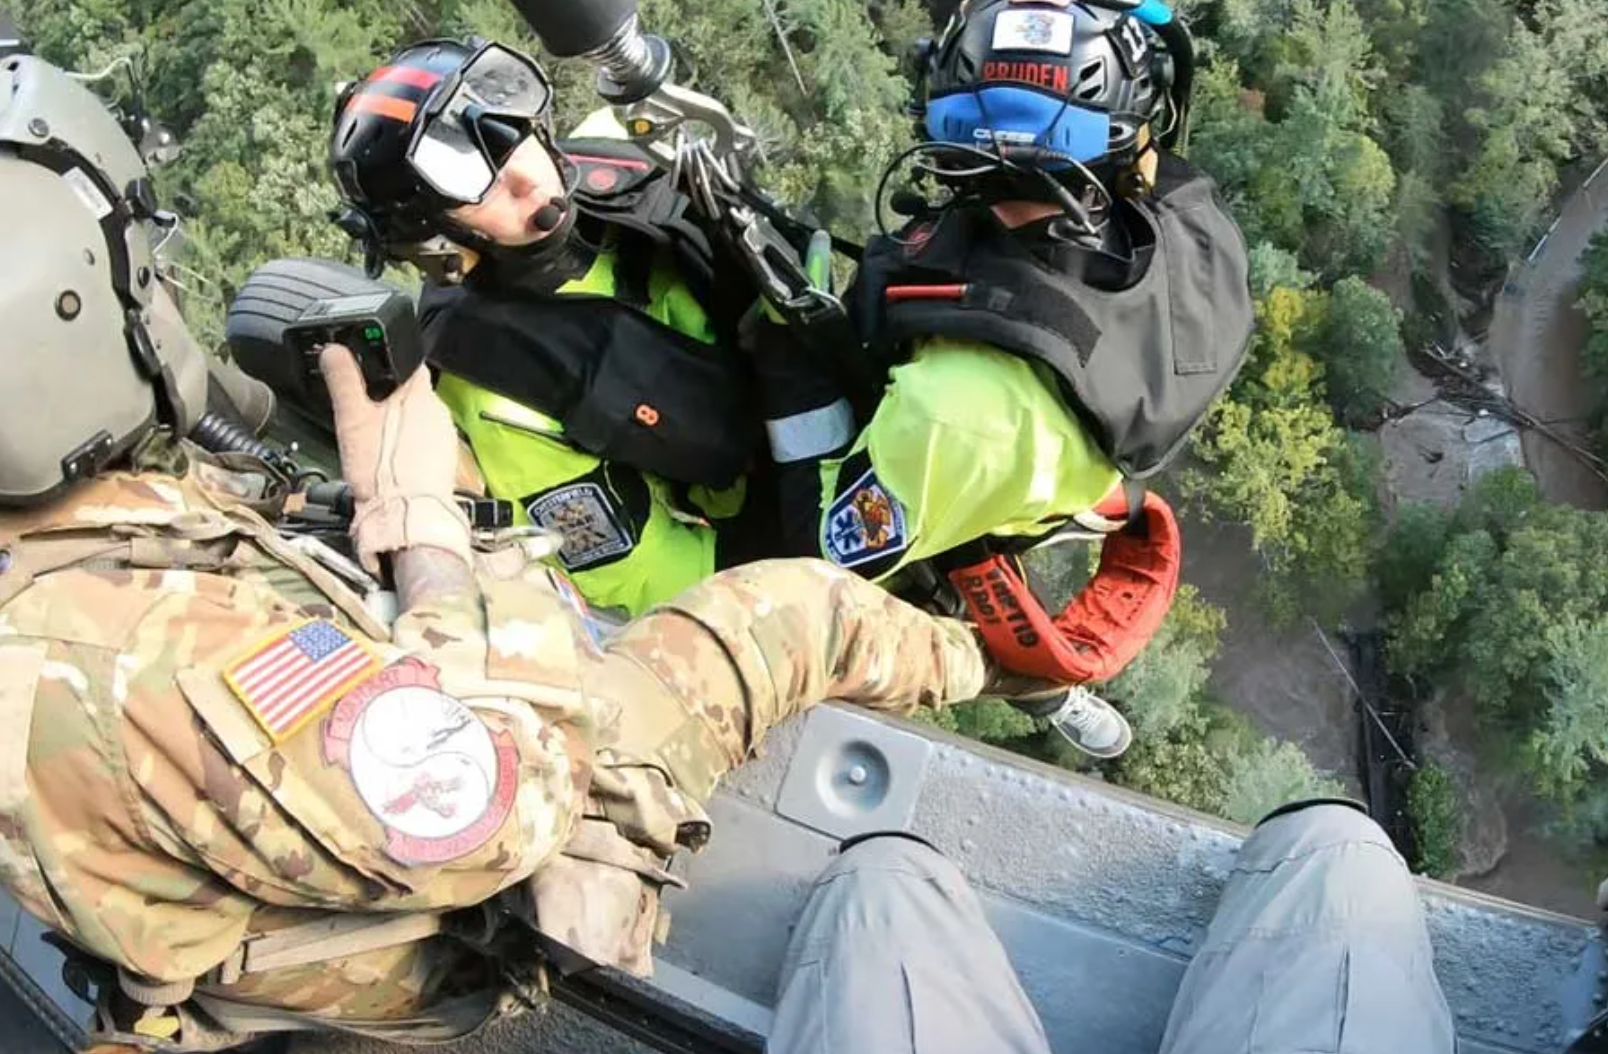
(400, 457)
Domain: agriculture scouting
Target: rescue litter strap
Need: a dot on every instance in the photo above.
(1100, 630)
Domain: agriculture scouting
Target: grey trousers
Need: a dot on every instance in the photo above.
(1318, 947)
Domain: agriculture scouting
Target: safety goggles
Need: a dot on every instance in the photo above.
(476, 120)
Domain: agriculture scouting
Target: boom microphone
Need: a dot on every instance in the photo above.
(550, 215)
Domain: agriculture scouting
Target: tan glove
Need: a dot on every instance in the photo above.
(400, 457)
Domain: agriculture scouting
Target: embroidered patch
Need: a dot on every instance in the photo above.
(594, 532)
(431, 772)
(865, 523)
(1033, 31)
(295, 675)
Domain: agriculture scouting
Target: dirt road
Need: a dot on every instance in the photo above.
(1535, 339)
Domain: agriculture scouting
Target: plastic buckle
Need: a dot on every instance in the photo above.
(487, 514)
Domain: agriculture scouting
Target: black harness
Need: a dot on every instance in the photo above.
(1138, 364)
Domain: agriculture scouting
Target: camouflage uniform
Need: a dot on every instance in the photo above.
(147, 812)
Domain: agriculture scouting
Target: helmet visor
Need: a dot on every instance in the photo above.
(498, 99)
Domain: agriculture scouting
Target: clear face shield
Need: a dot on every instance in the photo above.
(477, 120)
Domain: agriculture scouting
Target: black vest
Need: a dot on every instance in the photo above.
(1139, 365)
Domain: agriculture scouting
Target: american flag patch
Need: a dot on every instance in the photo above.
(292, 677)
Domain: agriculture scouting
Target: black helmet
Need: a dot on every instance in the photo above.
(427, 132)
(1075, 79)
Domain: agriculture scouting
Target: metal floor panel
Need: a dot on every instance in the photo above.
(1099, 895)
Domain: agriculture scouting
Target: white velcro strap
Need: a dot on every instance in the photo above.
(1090, 520)
(811, 433)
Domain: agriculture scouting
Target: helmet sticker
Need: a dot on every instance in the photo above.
(409, 75)
(1049, 31)
(988, 136)
(1132, 39)
(1053, 76)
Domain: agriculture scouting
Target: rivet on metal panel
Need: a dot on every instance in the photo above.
(850, 774)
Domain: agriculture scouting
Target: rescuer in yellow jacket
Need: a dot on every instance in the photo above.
(585, 345)
(1031, 347)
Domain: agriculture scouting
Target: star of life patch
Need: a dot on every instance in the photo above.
(865, 523)
(593, 531)
(1049, 31)
(439, 781)
(293, 676)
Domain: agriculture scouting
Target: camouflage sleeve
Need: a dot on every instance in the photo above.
(754, 645)
(417, 775)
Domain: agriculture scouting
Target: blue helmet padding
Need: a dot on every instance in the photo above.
(1084, 135)
(1153, 12)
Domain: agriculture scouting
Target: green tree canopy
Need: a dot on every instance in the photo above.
(1359, 343)
(1516, 611)
(249, 88)
(1275, 460)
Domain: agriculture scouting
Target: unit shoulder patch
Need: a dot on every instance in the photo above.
(594, 531)
(437, 778)
(865, 523)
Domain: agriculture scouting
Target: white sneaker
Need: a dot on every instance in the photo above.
(1091, 724)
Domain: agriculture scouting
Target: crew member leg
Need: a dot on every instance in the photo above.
(893, 955)
(1318, 945)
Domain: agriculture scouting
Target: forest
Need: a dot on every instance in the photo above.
(1387, 160)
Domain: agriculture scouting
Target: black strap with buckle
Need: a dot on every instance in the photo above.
(487, 514)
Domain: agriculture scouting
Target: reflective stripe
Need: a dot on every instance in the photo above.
(385, 105)
(412, 76)
(811, 433)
